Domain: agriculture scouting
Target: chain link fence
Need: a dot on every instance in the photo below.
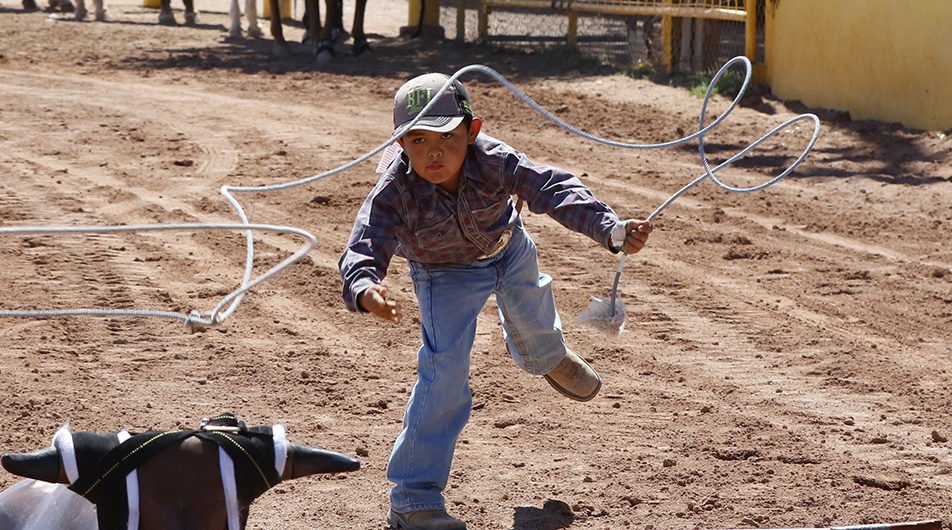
(698, 44)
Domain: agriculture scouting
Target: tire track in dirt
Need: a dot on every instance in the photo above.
(221, 159)
(694, 304)
(736, 325)
(811, 246)
(90, 266)
(62, 266)
(824, 238)
(117, 97)
(217, 113)
(224, 113)
(730, 317)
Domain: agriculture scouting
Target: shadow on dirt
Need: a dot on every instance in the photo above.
(897, 154)
(553, 516)
(391, 57)
(6, 10)
(903, 156)
(67, 19)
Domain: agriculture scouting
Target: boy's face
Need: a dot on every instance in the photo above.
(438, 157)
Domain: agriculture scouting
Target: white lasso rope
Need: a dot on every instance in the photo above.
(220, 312)
(708, 172)
(699, 135)
(193, 319)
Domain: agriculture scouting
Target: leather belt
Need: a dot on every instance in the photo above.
(498, 247)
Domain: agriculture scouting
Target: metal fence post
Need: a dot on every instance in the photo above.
(667, 36)
(750, 31)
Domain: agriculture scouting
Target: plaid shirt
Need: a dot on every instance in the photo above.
(406, 216)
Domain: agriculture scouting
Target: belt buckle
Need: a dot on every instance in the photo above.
(500, 246)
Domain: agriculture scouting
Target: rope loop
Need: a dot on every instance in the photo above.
(196, 320)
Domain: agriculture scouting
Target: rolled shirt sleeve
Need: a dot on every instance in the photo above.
(370, 248)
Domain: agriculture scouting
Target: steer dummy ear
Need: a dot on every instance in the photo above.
(40, 465)
(304, 461)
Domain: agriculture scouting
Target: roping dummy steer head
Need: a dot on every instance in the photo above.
(179, 479)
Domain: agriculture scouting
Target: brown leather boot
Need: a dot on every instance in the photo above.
(574, 378)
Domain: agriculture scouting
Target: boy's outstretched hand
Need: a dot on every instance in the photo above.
(374, 299)
(636, 235)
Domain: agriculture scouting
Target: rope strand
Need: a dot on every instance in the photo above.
(230, 302)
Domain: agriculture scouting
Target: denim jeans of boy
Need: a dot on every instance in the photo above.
(450, 300)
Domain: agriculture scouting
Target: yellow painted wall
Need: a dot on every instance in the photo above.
(887, 60)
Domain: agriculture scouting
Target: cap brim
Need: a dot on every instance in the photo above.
(436, 123)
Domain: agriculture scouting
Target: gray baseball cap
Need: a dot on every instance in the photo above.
(445, 114)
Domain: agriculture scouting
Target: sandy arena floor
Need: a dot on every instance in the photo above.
(788, 354)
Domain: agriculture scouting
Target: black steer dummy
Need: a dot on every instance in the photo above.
(196, 479)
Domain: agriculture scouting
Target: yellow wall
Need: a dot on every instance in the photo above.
(888, 60)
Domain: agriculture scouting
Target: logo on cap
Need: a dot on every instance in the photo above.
(417, 98)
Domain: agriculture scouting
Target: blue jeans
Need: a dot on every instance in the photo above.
(451, 297)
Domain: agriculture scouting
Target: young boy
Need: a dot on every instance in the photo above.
(445, 205)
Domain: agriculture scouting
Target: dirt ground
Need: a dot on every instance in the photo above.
(787, 359)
